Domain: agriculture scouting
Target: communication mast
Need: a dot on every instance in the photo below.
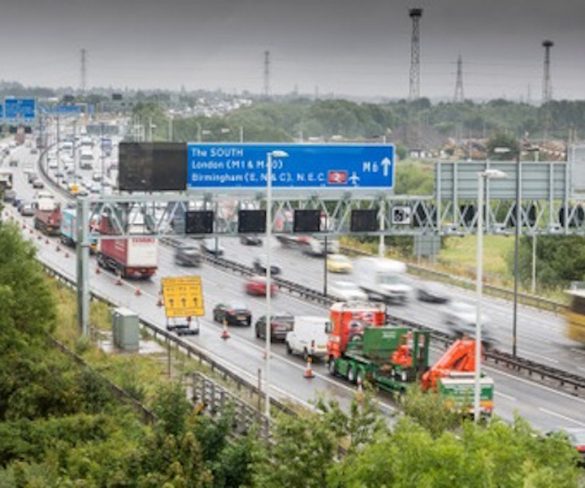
(546, 83)
(459, 96)
(83, 70)
(414, 87)
(266, 74)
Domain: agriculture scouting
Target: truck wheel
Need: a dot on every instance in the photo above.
(288, 349)
(361, 376)
(331, 367)
(351, 374)
(305, 355)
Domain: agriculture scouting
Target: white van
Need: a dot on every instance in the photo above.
(308, 337)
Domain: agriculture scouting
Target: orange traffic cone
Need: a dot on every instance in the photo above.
(57, 248)
(309, 369)
(30, 231)
(46, 241)
(39, 237)
(225, 333)
(97, 270)
(118, 280)
(24, 226)
(137, 292)
(66, 254)
(159, 302)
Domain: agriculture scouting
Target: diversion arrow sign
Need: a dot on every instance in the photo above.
(183, 296)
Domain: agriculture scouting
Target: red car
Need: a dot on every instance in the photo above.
(256, 285)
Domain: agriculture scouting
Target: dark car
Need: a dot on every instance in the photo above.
(281, 324)
(187, 256)
(9, 196)
(431, 294)
(260, 268)
(232, 313)
(38, 184)
(250, 240)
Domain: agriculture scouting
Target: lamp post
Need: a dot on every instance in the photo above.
(481, 178)
(272, 154)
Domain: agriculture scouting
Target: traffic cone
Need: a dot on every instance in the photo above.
(39, 237)
(118, 280)
(30, 231)
(57, 248)
(137, 292)
(47, 241)
(309, 369)
(66, 254)
(24, 226)
(97, 270)
(159, 302)
(225, 333)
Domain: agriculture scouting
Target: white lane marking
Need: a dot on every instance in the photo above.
(503, 395)
(534, 384)
(561, 416)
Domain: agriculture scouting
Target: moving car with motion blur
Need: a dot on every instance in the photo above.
(233, 313)
(260, 267)
(431, 293)
(280, 325)
(346, 291)
(256, 285)
(338, 263)
(460, 317)
(250, 240)
(187, 255)
(212, 246)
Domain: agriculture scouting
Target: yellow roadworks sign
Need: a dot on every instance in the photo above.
(183, 296)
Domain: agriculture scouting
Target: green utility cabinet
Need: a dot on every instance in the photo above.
(125, 329)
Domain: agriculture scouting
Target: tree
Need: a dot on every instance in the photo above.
(501, 140)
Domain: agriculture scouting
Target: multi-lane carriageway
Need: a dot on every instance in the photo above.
(541, 334)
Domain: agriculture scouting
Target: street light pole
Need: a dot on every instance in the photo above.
(481, 178)
(268, 237)
(516, 245)
(479, 290)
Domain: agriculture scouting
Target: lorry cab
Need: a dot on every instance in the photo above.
(348, 321)
(308, 337)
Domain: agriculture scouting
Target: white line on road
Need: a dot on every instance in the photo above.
(564, 417)
(503, 395)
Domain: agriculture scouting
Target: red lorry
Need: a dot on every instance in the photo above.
(47, 218)
(130, 257)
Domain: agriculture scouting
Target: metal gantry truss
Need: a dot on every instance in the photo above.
(163, 215)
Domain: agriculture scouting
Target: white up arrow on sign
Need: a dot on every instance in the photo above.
(386, 163)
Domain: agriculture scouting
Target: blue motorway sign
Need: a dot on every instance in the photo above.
(67, 109)
(317, 166)
(20, 109)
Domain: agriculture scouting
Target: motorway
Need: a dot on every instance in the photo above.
(545, 408)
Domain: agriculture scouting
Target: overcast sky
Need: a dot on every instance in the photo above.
(354, 47)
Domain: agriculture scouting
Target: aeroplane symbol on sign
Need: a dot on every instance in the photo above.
(354, 179)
